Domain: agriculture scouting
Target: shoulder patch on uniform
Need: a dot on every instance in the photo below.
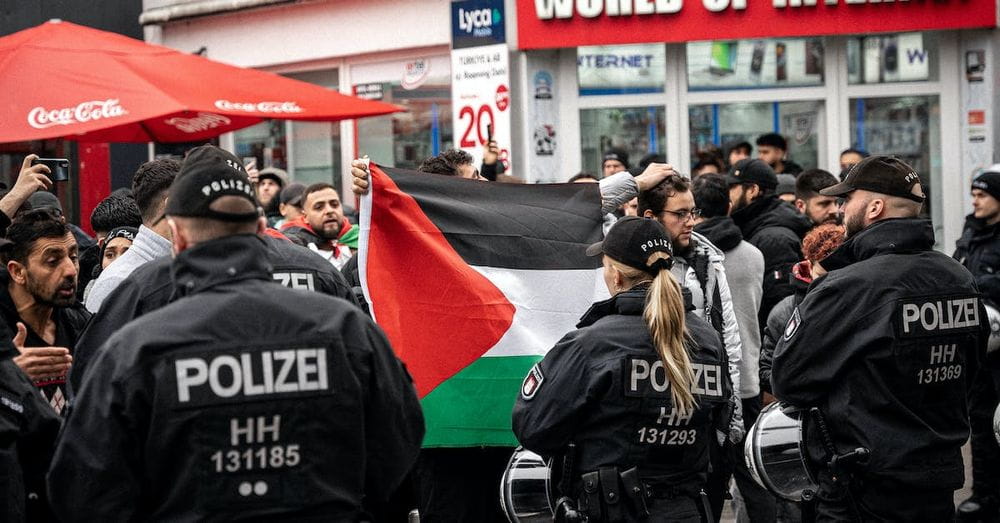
(532, 382)
(793, 324)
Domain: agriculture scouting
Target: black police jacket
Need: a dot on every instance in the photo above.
(885, 345)
(28, 428)
(151, 286)
(979, 251)
(776, 228)
(603, 387)
(240, 399)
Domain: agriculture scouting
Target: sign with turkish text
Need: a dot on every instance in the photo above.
(547, 24)
(480, 99)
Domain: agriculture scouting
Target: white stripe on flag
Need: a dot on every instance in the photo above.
(548, 304)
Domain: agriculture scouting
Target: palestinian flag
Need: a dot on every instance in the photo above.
(473, 282)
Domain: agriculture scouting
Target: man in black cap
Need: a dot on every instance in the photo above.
(768, 223)
(884, 347)
(291, 204)
(979, 251)
(772, 148)
(242, 399)
(270, 182)
(615, 160)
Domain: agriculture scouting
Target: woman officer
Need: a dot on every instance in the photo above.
(640, 388)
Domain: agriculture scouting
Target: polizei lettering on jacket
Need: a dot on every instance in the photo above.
(251, 374)
(934, 316)
(649, 377)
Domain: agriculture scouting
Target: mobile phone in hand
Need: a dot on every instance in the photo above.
(59, 168)
(489, 133)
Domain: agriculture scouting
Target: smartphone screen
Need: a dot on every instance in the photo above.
(59, 168)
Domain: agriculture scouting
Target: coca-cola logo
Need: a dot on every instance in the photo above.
(41, 118)
(259, 107)
(199, 123)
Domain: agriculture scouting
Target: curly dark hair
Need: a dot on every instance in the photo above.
(27, 228)
(655, 198)
(446, 163)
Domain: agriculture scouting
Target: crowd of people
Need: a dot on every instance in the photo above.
(209, 354)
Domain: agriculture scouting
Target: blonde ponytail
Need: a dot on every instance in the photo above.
(664, 315)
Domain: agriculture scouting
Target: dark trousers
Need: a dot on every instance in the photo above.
(678, 509)
(456, 485)
(983, 400)
(874, 502)
(727, 463)
(761, 505)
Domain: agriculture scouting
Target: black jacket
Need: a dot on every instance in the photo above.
(594, 389)
(885, 345)
(70, 322)
(151, 286)
(776, 323)
(979, 251)
(776, 228)
(28, 428)
(721, 231)
(241, 399)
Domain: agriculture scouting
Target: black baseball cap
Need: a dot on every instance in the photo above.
(881, 174)
(616, 153)
(207, 174)
(632, 240)
(292, 194)
(752, 170)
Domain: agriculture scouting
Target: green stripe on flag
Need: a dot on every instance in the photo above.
(473, 408)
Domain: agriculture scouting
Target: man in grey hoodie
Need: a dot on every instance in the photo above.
(744, 265)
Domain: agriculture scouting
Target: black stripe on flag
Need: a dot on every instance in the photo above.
(515, 226)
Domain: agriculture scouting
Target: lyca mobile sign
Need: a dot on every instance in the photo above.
(571, 23)
(477, 22)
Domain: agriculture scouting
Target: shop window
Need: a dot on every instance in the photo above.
(309, 151)
(637, 130)
(748, 64)
(905, 57)
(724, 125)
(405, 139)
(621, 69)
(907, 127)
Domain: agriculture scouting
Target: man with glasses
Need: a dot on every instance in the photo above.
(698, 267)
(768, 223)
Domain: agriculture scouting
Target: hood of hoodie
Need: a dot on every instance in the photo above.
(770, 211)
(721, 231)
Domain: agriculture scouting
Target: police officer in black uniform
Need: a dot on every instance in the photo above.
(151, 286)
(884, 346)
(242, 398)
(639, 389)
(28, 428)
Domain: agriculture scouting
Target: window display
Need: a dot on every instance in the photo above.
(637, 130)
(746, 64)
(621, 69)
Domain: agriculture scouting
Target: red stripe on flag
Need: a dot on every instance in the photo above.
(439, 313)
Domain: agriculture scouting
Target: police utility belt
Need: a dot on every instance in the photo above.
(608, 494)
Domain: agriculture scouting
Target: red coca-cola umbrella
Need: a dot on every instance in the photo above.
(65, 80)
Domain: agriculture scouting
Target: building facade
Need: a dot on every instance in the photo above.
(914, 79)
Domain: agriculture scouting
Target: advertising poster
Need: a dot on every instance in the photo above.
(755, 63)
(480, 87)
(480, 99)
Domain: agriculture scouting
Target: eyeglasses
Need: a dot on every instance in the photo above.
(683, 215)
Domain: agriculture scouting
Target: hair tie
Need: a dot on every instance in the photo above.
(661, 264)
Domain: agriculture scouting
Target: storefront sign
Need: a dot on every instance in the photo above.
(571, 23)
(480, 99)
(368, 91)
(621, 69)
(477, 22)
